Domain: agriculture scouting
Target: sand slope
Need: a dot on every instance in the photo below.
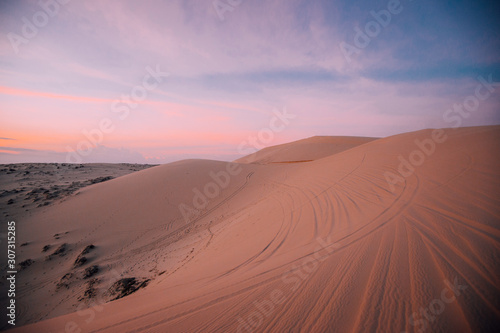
(28, 186)
(321, 246)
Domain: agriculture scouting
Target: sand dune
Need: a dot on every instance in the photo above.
(28, 186)
(343, 243)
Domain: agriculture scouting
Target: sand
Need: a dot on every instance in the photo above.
(27, 186)
(305, 150)
(333, 240)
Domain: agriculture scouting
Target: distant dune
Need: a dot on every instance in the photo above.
(399, 234)
(304, 150)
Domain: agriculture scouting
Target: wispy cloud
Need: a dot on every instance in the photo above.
(28, 93)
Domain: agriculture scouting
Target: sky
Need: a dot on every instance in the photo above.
(157, 81)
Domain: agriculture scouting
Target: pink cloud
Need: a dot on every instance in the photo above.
(28, 93)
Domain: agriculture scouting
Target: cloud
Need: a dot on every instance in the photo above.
(27, 93)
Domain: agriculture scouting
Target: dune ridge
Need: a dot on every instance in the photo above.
(304, 150)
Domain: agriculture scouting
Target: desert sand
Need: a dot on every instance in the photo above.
(27, 186)
(320, 235)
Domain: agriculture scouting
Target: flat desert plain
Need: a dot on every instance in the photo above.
(326, 234)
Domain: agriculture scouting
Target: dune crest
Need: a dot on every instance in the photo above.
(305, 150)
